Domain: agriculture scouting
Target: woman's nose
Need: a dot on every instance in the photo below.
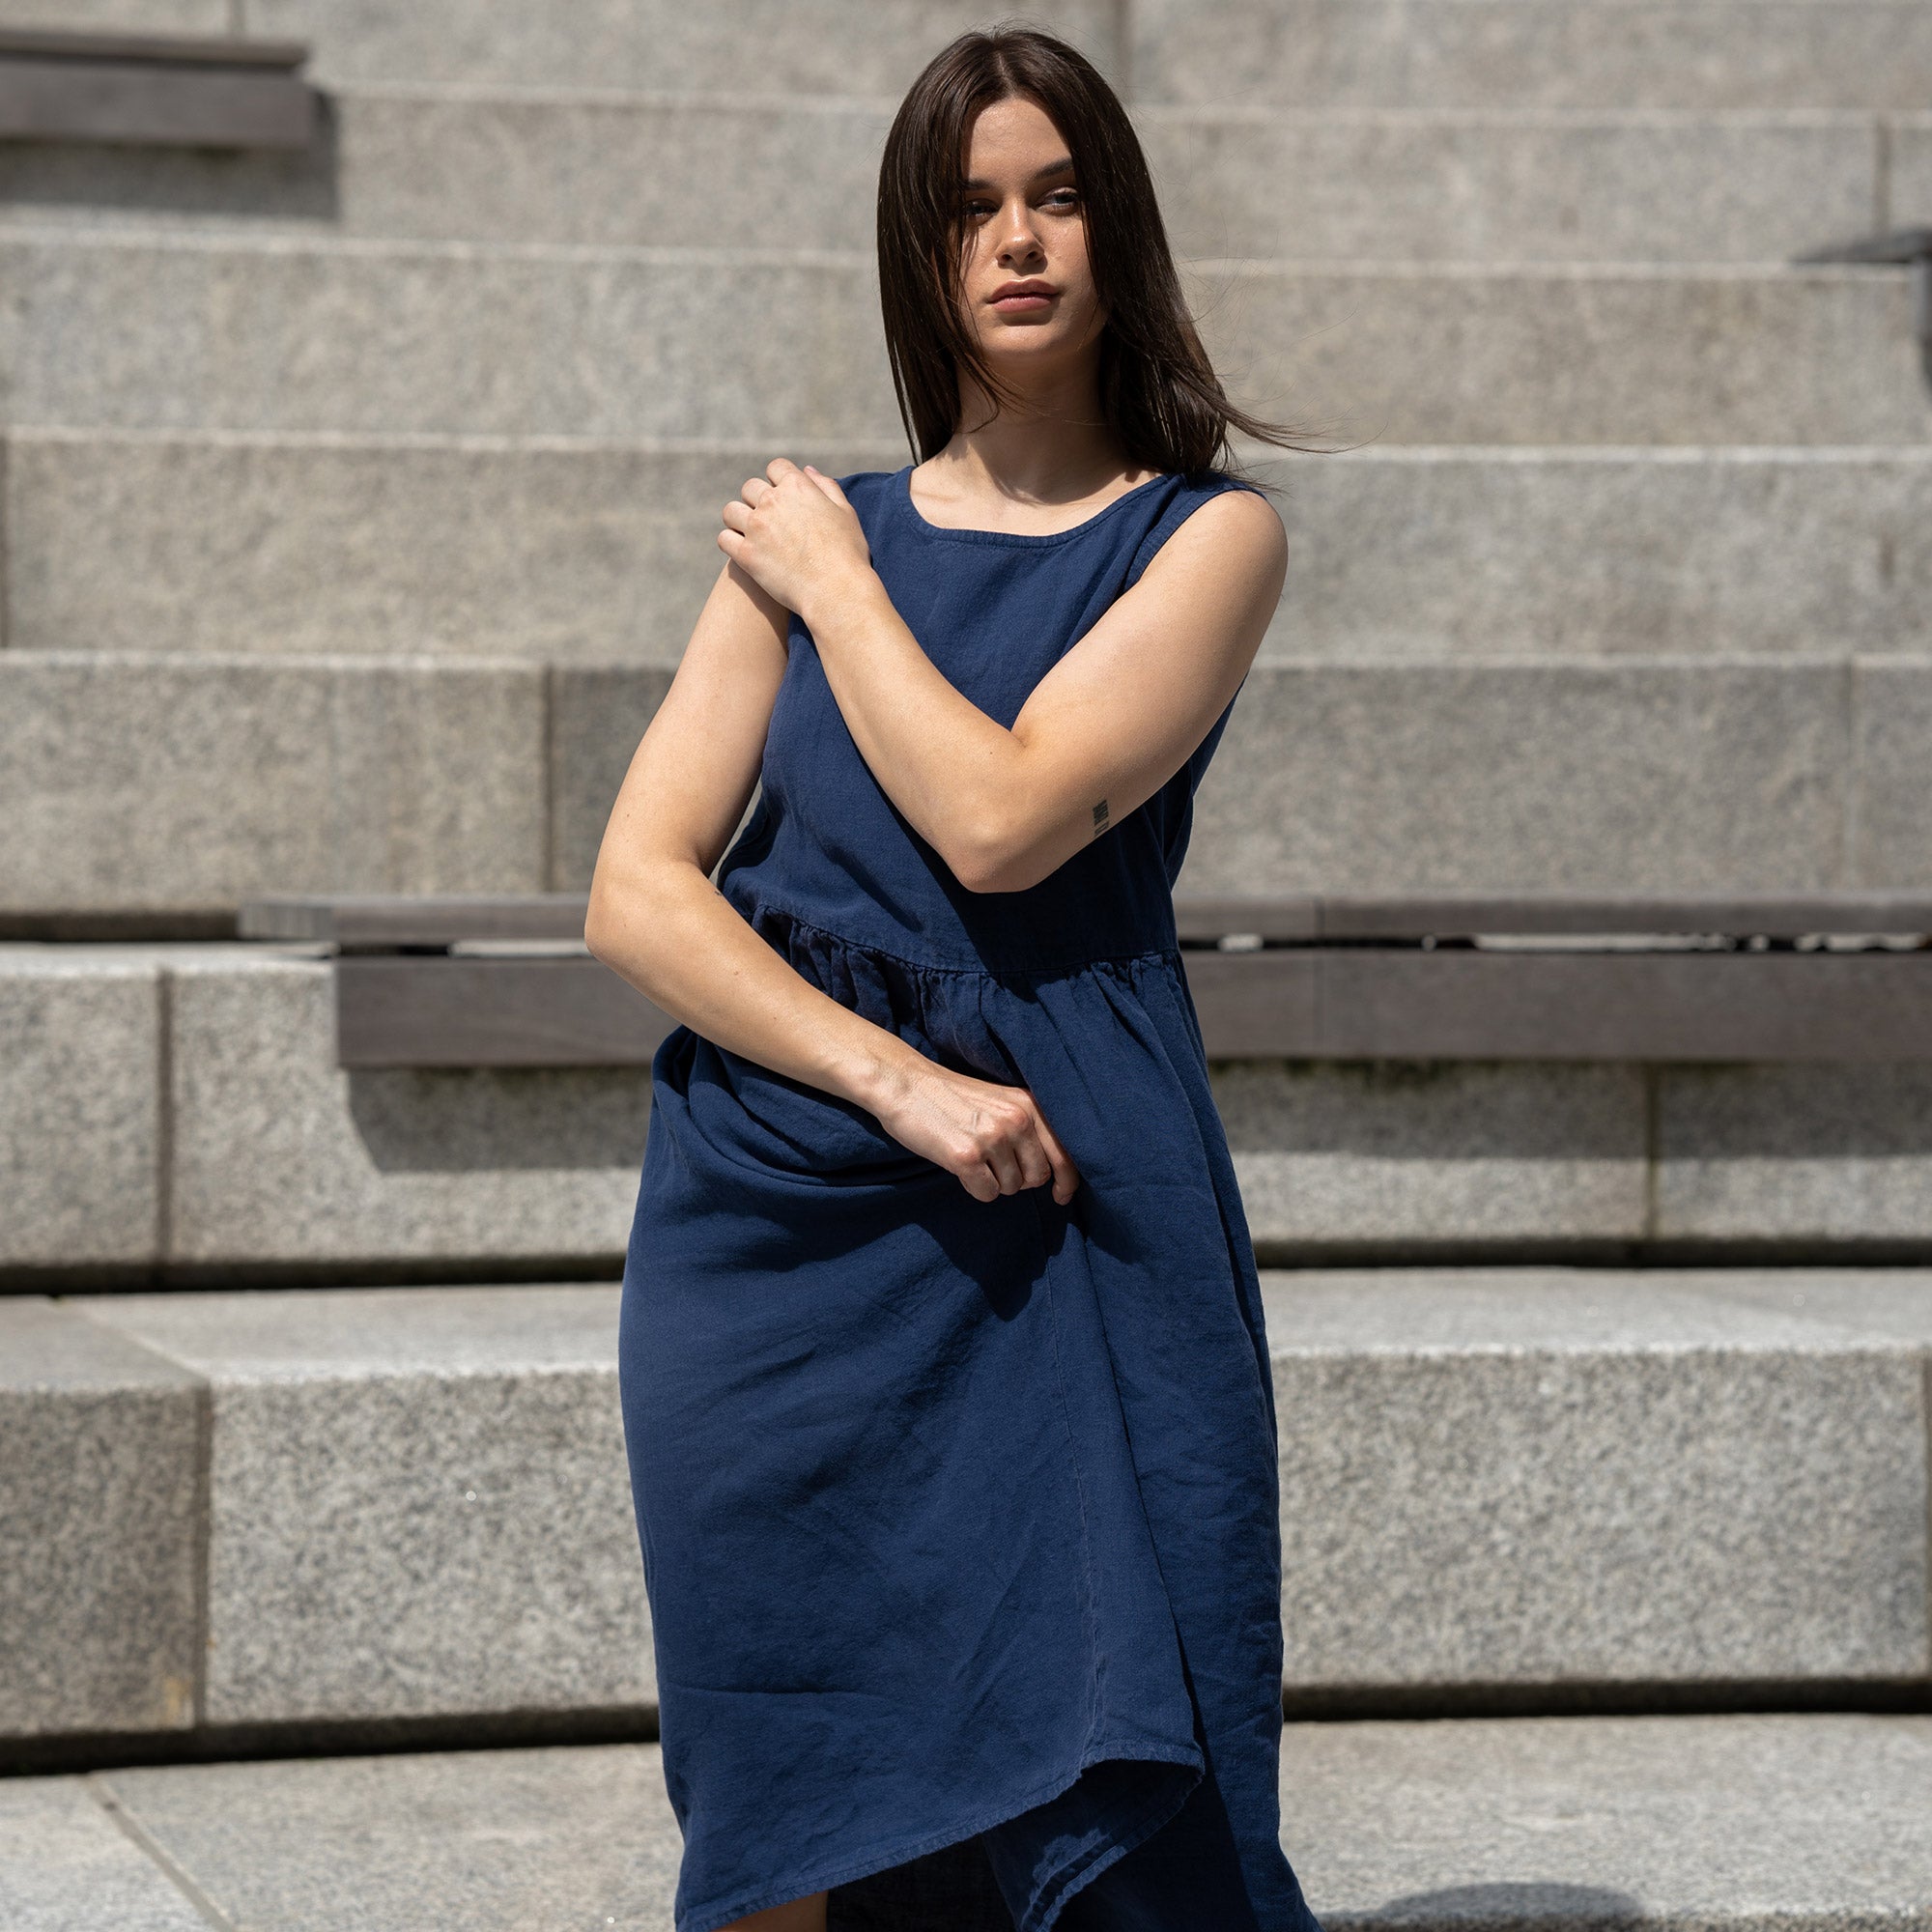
(1021, 236)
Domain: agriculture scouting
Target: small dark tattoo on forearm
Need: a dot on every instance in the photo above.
(1099, 818)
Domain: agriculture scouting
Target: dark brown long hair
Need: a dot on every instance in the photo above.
(1158, 390)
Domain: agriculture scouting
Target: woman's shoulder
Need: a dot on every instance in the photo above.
(865, 482)
(1187, 491)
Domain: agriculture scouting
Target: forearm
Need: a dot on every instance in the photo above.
(670, 932)
(966, 783)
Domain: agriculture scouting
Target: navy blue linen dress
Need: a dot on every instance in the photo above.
(958, 1517)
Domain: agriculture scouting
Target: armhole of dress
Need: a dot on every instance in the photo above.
(1184, 504)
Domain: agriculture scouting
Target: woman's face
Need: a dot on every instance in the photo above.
(1024, 222)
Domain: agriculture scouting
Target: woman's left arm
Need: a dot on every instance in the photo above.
(1102, 731)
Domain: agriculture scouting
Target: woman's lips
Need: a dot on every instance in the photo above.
(1022, 304)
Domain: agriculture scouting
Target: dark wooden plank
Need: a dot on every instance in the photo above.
(1256, 1005)
(1653, 1007)
(168, 49)
(155, 105)
(1307, 1004)
(400, 1012)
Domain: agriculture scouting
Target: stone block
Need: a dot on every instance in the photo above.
(1258, 183)
(1665, 776)
(279, 546)
(81, 1107)
(100, 1500)
(419, 1500)
(598, 713)
(150, 783)
(737, 171)
(1393, 1157)
(273, 333)
(211, 17)
(1430, 352)
(1859, 54)
(66, 1864)
(1808, 1156)
(1538, 1476)
(803, 46)
(1892, 843)
(447, 165)
(1909, 197)
(1454, 554)
(283, 1157)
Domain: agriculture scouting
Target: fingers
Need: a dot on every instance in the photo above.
(826, 483)
(981, 1183)
(1019, 1162)
(1016, 1149)
(1066, 1176)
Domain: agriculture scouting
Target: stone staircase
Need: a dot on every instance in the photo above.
(357, 506)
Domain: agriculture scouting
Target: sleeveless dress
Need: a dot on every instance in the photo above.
(958, 1517)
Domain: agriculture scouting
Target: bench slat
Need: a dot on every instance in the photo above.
(1302, 1004)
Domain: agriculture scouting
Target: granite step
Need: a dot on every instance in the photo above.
(803, 46)
(253, 1517)
(1534, 1824)
(590, 553)
(267, 333)
(1702, 55)
(607, 168)
(1689, 53)
(174, 1115)
(286, 774)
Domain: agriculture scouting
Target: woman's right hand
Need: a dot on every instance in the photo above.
(993, 1137)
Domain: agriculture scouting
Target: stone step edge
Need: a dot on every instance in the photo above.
(216, 1391)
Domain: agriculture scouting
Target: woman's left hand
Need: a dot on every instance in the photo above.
(793, 531)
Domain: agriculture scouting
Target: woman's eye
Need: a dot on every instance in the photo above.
(1061, 197)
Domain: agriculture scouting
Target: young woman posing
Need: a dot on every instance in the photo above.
(945, 1383)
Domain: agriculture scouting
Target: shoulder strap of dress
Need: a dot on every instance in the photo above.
(1189, 496)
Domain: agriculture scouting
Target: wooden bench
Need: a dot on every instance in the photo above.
(166, 91)
(486, 981)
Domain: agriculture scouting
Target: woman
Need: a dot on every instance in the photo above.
(944, 1378)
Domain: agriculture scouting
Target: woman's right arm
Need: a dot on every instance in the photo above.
(658, 922)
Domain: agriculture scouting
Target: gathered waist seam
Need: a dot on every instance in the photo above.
(982, 969)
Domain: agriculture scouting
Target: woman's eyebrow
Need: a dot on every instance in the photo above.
(1063, 164)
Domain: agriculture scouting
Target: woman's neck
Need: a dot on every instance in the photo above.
(1054, 450)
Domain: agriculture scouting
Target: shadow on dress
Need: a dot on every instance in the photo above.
(953, 1890)
(948, 1890)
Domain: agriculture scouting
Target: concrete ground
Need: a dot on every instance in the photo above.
(1802, 1822)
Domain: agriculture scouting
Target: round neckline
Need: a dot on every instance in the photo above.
(911, 510)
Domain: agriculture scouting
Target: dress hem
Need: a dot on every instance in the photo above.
(1143, 1826)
